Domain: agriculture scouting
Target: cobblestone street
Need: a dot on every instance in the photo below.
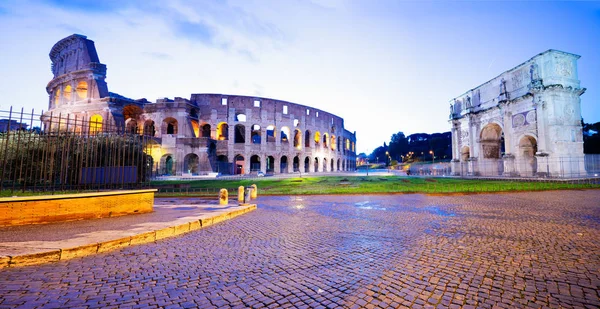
(521, 250)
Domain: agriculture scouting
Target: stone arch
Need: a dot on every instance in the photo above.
(239, 162)
(240, 117)
(297, 139)
(223, 165)
(343, 165)
(240, 134)
(255, 163)
(316, 165)
(82, 90)
(56, 96)
(149, 128)
(339, 164)
(325, 140)
(205, 130)
(465, 153)
(296, 164)
(283, 165)
(271, 134)
(527, 163)
(222, 131)
(68, 92)
(317, 139)
(169, 126)
(270, 164)
(332, 163)
(131, 126)
(333, 144)
(307, 139)
(96, 122)
(492, 141)
(255, 134)
(167, 163)
(339, 144)
(191, 163)
(307, 164)
(324, 164)
(285, 134)
(131, 111)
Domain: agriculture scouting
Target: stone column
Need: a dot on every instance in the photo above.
(277, 165)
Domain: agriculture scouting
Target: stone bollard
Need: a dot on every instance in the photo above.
(254, 191)
(249, 192)
(223, 197)
(241, 194)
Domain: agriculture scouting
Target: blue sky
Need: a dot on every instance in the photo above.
(384, 66)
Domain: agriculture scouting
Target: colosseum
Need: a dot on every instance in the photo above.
(207, 133)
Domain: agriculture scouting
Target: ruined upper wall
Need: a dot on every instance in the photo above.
(549, 68)
(75, 53)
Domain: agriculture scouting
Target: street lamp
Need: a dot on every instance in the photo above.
(432, 156)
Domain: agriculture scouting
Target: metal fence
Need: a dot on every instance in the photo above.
(58, 152)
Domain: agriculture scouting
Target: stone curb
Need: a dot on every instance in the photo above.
(55, 255)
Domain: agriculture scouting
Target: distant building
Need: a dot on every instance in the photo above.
(230, 134)
(524, 122)
(11, 125)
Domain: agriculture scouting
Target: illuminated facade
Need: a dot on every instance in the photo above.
(207, 133)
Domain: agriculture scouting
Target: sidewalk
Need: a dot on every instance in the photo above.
(42, 243)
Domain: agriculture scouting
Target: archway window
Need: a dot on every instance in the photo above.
(296, 164)
(149, 128)
(306, 139)
(465, 153)
(56, 96)
(297, 139)
(191, 163)
(255, 134)
(239, 163)
(270, 164)
(254, 163)
(240, 134)
(492, 142)
(333, 145)
(206, 130)
(325, 140)
(347, 144)
(271, 134)
(240, 117)
(132, 126)
(95, 124)
(296, 122)
(306, 164)
(170, 126)
(339, 143)
(68, 92)
(283, 165)
(316, 164)
(317, 139)
(169, 164)
(82, 90)
(222, 131)
(223, 165)
(285, 134)
(132, 111)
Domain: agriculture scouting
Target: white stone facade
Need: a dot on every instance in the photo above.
(524, 122)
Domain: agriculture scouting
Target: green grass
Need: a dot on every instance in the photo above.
(359, 185)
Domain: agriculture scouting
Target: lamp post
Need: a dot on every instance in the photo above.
(432, 156)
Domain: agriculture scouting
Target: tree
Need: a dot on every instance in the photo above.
(591, 138)
(398, 145)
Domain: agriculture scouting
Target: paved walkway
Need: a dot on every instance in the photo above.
(35, 244)
(518, 250)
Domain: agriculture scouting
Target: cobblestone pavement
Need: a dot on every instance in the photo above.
(522, 250)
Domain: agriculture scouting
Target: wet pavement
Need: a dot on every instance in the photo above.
(522, 250)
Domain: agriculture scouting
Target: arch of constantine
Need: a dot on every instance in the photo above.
(228, 134)
(524, 122)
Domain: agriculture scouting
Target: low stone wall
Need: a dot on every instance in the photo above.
(68, 207)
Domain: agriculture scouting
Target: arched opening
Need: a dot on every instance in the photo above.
(325, 140)
(317, 139)
(339, 143)
(465, 153)
(240, 117)
(527, 160)
(339, 162)
(333, 145)
(332, 165)
(190, 163)
(169, 126)
(222, 131)
(296, 122)
(95, 124)
(306, 164)
(254, 163)
(132, 126)
(297, 139)
(344, 165)
(306, 139)
(491, 141)
(285, 134)
(347, 144)
(270, 164)
(168, 165)
(316, 165)
(255, 134)
(324, 164)
(283, 165)
(82, 90)
(149, 128)
(240, 134)
(223, 165)
(206, 130)
(296, 164)
(239, 163)
(68, 92)
(271, 134)
(56, 96)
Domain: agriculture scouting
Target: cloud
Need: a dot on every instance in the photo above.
(157, 55)
(86, 5)
(197, 31)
